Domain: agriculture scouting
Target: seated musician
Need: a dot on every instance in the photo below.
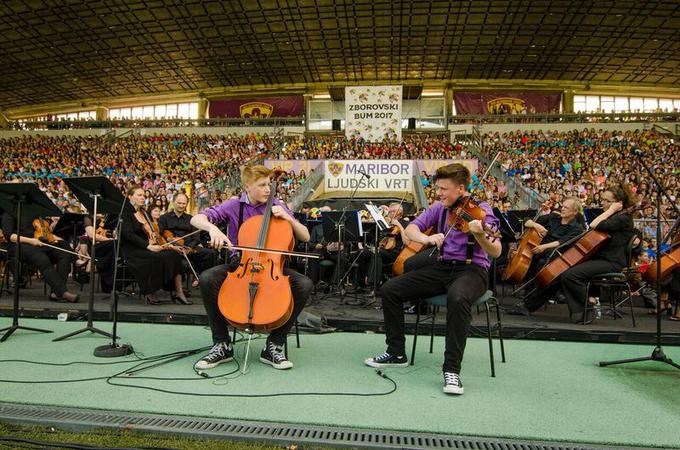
(153, 266)
(556, 229)
(389, 248)
(178, 223)
(105, 251)
(612, 256)
(256, 184)
(461, 273)
(52, 261)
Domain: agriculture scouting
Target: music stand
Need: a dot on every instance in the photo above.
(70, 226)
(27, 201)
(98, 195)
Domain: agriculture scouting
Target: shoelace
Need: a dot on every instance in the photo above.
(384, 357)
(216, 352)
(451, 378)
(277, 353)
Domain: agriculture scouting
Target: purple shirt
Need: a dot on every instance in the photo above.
(455, 245)
(228, 213)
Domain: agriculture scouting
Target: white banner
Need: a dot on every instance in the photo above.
(377, 175)
(372, 112)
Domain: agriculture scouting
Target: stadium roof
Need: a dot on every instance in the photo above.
(53, 51)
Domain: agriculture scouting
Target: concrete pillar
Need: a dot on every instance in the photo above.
(101, 113)
(202, 108)
(568, 101)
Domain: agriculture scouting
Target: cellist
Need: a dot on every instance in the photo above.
(556, 229)
(256, 181)
(611, 257)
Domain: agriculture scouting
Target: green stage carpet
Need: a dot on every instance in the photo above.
(546, 390)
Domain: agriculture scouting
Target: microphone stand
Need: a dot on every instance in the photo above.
(658, 353)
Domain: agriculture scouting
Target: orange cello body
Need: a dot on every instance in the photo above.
(520, 259)
(408, 251)
(669, 262)
(257, 297)
(581, 251)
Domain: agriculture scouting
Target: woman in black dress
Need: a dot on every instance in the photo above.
(153, 266)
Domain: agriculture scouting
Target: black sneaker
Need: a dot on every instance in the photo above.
(452, 384)
(220, 353)
(386, 360)
(273, 355)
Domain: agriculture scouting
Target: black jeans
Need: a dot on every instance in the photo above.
(575, 281)
(462, 283)
(45, 259)
(211, 281)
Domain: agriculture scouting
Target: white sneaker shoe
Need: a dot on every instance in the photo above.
(452, 384)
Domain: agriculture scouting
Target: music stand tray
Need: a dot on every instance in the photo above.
(26, 200)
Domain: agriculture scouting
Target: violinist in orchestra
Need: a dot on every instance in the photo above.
(461, 272)
(256, 181)
(39, 247)
(177, 224)
(153, 265)
(617, 221)
(555, 230)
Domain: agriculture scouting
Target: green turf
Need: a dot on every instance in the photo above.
(547, 390)
(12, 434)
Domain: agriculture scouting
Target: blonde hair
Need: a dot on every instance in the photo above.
(577, 202)
(249, 174)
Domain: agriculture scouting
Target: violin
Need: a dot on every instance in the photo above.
(465, 211)
(43, 231)
(174, 241)
(390, 241)
(520, 257)
(257, 295)
(101, 232)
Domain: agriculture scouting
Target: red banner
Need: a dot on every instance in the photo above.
(292, 106)
(506, 102)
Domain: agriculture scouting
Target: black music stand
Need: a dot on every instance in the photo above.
(98, 195)
(70, 226)
(27, 201)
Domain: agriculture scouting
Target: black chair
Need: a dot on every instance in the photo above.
(617, 286)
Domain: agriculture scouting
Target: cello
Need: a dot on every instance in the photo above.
(257, 295)
(520, 258)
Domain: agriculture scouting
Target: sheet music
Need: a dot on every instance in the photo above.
(377, 217)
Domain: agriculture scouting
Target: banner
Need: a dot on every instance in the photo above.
(371, 175)
(373, 112)
(430, 166)
(296, 165)
(506, 103)
(292, 106)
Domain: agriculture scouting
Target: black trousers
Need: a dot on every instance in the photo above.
(202, 259)
(575, 280)
(55, 265)
(538, 296)
(211, 281)
(462, 283)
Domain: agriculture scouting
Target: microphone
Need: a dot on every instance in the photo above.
(636, 151)
(364, 174)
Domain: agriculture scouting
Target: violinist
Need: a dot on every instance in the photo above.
(54, 264)
(612, 256)
(460, 272)
(555, 229)
(256, 181)
(153, 266)
(178, 223)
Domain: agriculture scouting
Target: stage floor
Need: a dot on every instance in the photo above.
(549, 391)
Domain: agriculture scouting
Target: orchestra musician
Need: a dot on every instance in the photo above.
(105, 251)
(153, 266)
(178, 223)
(617, 221)
(461, 272)
(53, 262)
(556, 229)
(256, 181)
